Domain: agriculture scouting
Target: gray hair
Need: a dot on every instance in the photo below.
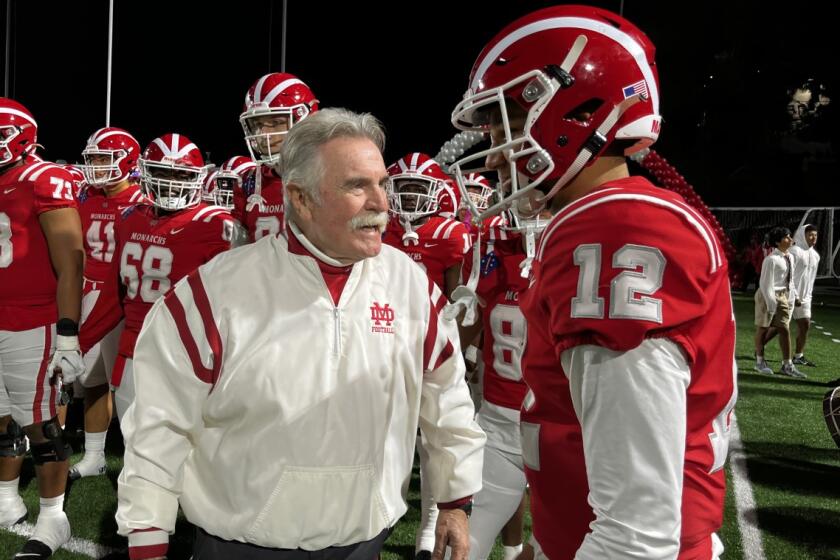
(301, 155)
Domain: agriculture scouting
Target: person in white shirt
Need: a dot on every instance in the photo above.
(279, 387)
(773, 301)
(806, 263)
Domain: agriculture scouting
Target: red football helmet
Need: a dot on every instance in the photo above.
(479, 190)
(18, 132)
(415, 186)
(208, 191)
(78, 178)
(272, 106)
(584, 76)
(229, 177)
(172, 172)
(121, 150)
(449, 199)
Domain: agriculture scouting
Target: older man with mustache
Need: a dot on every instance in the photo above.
(280, 386)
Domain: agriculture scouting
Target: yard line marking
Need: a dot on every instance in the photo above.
(751, 543)
(75, 544)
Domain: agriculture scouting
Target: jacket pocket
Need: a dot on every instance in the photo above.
(317, 507)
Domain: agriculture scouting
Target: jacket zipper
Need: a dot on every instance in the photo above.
(337, 342)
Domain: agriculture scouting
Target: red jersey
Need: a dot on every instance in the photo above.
(441, 243)
(27, 299)
(500, 285)
(100, 215)
(153, 253)
(625, 263)
(260, 216)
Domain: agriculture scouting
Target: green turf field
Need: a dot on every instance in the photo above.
(793, 465)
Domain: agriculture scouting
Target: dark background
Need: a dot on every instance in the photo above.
(727, 72)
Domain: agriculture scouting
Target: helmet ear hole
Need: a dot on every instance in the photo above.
(583, 112)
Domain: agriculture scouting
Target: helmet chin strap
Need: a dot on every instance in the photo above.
(592, 147)
(410, 236)
(464, 297)
(530, 252)
(256, 199)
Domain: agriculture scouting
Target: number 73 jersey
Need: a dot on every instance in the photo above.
(623, 264)
(27, 299)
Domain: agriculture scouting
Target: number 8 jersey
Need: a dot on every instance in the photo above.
(617, 271)
(27, 299)
(500, 285)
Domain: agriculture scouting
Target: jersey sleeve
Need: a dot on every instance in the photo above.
(241, 192)
(239, 201)
(53, 190)
(631, 407)
(219, 232)
(457, 244)
(643, 277)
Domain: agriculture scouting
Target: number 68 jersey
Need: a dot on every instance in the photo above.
(27, 299)
(153, 253)
(627, 263)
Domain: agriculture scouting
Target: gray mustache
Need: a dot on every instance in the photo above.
(377, 219)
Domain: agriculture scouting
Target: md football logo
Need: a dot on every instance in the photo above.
(381, 318)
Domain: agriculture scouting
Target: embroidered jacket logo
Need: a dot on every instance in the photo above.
(381, 318)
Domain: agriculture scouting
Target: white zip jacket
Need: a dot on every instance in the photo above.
(277, 418)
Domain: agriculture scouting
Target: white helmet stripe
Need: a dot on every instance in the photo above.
(629, 44)
(244, 166)
(163, 147)
(414, 157)
(108, 134)
(258, 88)
(278, 89)
(185, 150)
(403, 166)
(15, 112)
(426, 165)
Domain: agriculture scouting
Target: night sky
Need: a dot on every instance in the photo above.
(726, 71)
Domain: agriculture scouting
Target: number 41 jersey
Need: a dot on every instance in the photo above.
(100, 214)
(625, 263)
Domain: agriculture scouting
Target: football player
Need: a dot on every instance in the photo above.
(630, 353)
(157, 244)
(436, 243)
(502, 330)
(110, 157)
(228, 179)
(272, 106)
(418, 193)
(41, 262)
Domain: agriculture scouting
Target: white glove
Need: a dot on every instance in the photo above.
(466, 299)
(67, 359)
